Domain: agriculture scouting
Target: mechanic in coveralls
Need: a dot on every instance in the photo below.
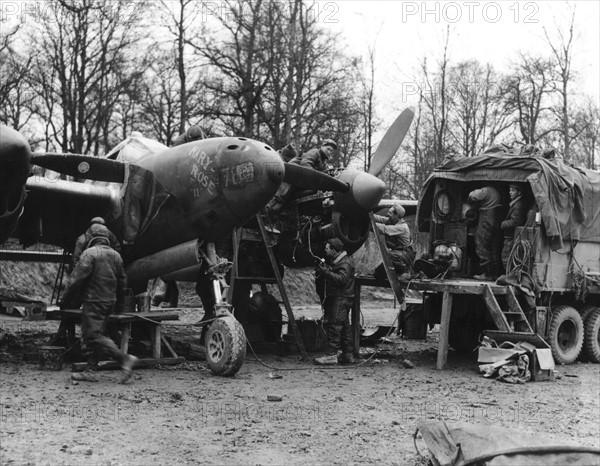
(317, 158)
(397, 240)
(487, 236)
(334, 281)
(83, 240)
(98, 281)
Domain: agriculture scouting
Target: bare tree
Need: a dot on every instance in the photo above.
(81, 69)
(562, 51)
(585, 128)
(180, 18)
(529, 88)
(477, 114)
(436, 99)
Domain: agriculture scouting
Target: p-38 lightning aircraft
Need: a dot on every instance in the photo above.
(170, 206)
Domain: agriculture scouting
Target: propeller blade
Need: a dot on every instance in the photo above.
(82, 166)
(309, 178)
(391, 141)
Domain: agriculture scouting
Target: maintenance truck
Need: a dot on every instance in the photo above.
(551, 284)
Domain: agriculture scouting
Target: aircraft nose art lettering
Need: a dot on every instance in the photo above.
(250, 174)
(220, 181)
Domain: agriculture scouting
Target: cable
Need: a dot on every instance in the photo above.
(354, 366)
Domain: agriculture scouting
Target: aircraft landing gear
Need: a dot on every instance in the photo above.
(225, 339)
(225, 346)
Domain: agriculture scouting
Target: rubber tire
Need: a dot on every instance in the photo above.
(591, 345)
(585, 311)
(225, 346)
(565, 348)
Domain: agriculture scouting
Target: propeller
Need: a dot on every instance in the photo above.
(308, 178)
(366, 190)
(82, 166)
(391, 141)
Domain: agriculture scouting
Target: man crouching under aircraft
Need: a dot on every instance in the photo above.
(98, 281)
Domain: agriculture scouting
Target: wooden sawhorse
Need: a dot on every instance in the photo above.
(123, 323)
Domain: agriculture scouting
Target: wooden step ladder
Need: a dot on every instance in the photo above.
(237, 236)
(507, 321)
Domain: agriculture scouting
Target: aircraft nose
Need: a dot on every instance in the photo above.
(273, 165)
(15, 157)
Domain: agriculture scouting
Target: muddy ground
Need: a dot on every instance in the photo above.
(186, 415)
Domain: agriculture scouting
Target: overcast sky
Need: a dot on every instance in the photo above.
(403, 32)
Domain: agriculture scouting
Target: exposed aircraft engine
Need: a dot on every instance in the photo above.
(15, 157)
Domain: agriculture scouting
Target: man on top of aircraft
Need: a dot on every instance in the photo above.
(317, 157)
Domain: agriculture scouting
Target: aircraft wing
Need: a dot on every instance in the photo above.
(57, 211)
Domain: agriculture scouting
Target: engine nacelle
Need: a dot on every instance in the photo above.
(15, 159)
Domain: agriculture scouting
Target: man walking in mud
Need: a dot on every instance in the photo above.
(335, 287)
(98, 281)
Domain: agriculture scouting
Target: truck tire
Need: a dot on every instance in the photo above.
(591, 337)
(566, 334)
(225, 346)
(585, 311)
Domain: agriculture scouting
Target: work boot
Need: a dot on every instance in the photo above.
(127, 367)
(85, 376)
(346, 358)
(328, 359)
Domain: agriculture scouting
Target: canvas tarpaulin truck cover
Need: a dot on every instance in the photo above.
(568, 198)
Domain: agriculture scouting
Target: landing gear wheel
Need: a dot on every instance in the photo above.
(566, 334)
(225, 346)
(591, 338)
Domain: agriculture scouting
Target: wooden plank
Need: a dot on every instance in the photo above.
(282, 291)
(236, 236)
(457, 286)
(494, 308)
(74, 315)
(145, 362)
(514, 306)
(169, 347)
(156, 341)
(356, 319)
(444, 330)
(125, 334)
(387, 261)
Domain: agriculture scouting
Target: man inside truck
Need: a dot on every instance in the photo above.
(516, 217)
(487, 236)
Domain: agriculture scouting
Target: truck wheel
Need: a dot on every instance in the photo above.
(591, 337)
(225, 346)
(566, 334)
(585, 311)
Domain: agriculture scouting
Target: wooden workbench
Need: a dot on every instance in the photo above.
(122, 322)
(450, 287)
